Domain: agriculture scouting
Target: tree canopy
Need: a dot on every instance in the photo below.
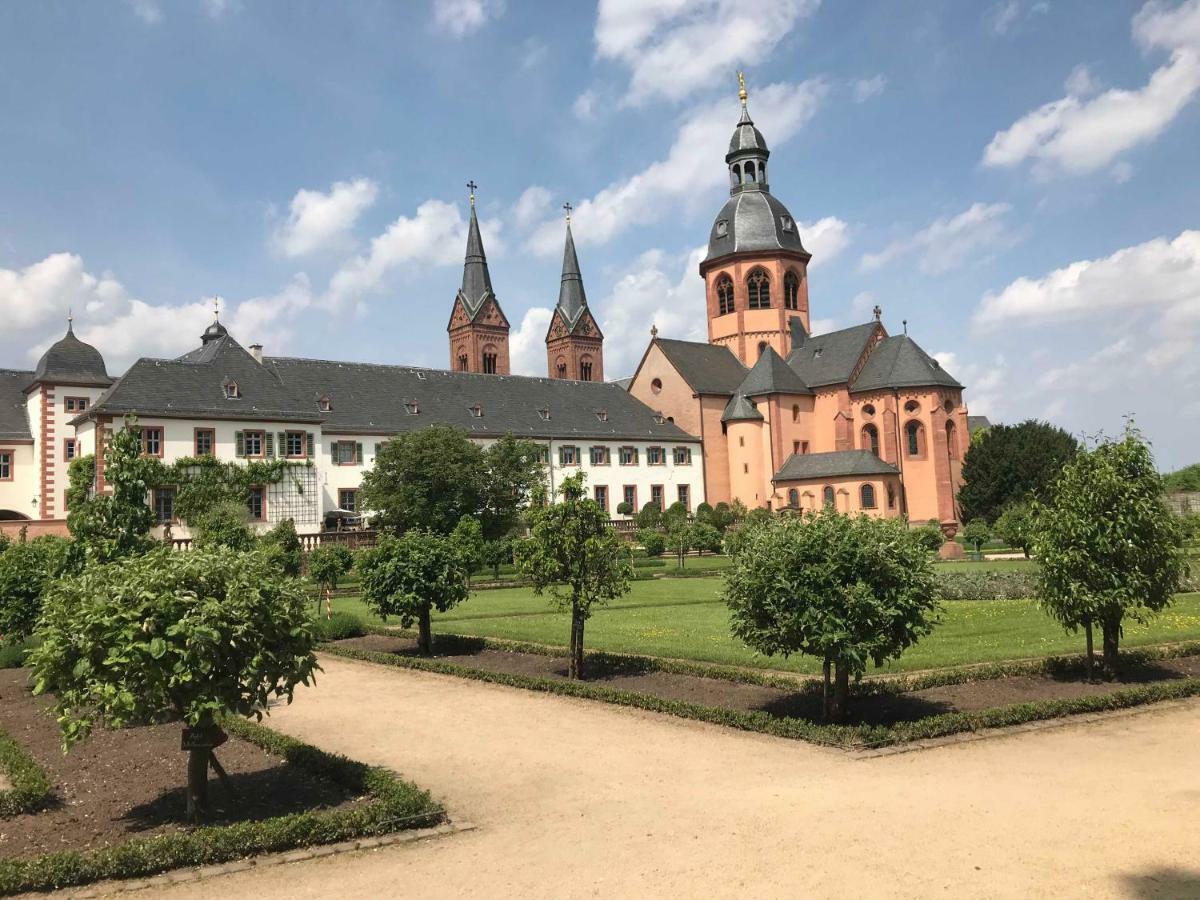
(27, 570)
(1185, 479)
(1012, 463)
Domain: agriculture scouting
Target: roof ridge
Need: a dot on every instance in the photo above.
(410, 368)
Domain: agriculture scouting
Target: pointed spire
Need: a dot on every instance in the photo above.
(70, 321)
(572, 300)
(477, 281)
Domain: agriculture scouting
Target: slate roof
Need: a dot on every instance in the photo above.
(825, 359)
(746, 138)
(572, 299)
(899, 362)
(623, 383)
(709, 369)
(751, 220)
(70, 361)
(771, 375)
(977, 423)
(740, 409)
(14, 420)
(832, 465)
(476, 281)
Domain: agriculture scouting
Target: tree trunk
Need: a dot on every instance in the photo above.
(579, 673)
(1089, 663)
(841, 692)
(575, 660)
(825, 690)
(197, 778)
(1112, 653)
(424, 634)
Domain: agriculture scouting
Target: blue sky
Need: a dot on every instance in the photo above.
(1016, 179)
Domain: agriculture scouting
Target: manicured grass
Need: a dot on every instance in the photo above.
(686, 619)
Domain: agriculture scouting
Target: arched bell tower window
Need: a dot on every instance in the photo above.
(735, 175)
(749, 169)
(489, 359)
(724, 295)
(827, 495)
(560, 368)
(870, 438)
(585, 368)
(791, 291)
(758, 286)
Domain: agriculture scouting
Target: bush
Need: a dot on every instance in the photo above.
(284, 543)
(338, 626)
(226, 524)
(986, 585)
(930, 536)
(26, 572)
(650, 516)
(977, 533)
(329, 563)
(30, 787)
(653, 542)
(624, 508)
(706, 538)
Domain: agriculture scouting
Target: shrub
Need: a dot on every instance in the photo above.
(986, 585)
(653, 542)
(26, 572)
(226, 524)
(338, 626)
(283, 541)
(329, 563)
(624, 508)
(706, 538)
(650, 516)
(930, 536)
(977, 533)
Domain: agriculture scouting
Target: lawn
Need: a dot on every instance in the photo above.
(686, 619)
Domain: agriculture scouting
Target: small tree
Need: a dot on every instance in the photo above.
(844, 589)
(624, 508)
(283, 541)
(1015, 526)
(977, 533)
(650, 515)
(574, 554)
(652, 542)
(224, 525)
(706, 538)
(513, 468)
(468, 538)
(197, 634)
(1108, 546)
(327, 565)
(722, 516)
(930, 536)
(497, 553)
(27, 570)
(412, 575)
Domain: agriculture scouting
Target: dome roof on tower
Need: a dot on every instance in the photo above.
(746, 138)
(753, 221)
(70, 361)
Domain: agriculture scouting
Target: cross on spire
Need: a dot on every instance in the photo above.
(471, 185)
(568, 207)
(878, 312)
(216, 309)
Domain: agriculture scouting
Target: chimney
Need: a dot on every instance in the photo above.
(256, 352)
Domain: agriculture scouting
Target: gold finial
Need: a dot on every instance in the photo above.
(471, 185)
(568, 207)
(742, 87)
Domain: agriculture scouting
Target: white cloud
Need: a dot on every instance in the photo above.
(986, 383)
(45, 290)
(1003, 16)
(825, 238)
(321, 221)
(657, 290)
(527, 345)
(864, 89)
(531, 206)
(1097, 372)
(459, 18)
(147, 10)
(533, 53)
(673, 47)
(584, 106)
(950, 242)
(695, 163)
(1076, 135)
(1081, 82)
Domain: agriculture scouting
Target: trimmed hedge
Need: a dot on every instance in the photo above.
(394, 805)
(340, 625)
(986, 585)
(843, 736)
(30, 787)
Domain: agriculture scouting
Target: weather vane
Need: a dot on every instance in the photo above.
(742, 87)
(471, 185)
(216, 308)
(568, 207)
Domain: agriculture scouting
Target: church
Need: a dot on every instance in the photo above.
(765, 412)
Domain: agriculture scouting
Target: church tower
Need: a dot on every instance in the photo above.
(756, 270)
(574, 344)
(478, 328)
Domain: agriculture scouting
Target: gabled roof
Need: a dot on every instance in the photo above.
(740, 409)
(771, 375)
(707, 368)
(825, 359)
(839, 463)
(14, 417)
(897, 362)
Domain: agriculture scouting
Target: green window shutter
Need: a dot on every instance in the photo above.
(333, 457)
(239, 445)
(377, 446)
(311, 444)
(281, 437)
(269, 444)
(358, 454)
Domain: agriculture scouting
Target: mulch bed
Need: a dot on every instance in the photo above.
(129, 783)
(880, 709)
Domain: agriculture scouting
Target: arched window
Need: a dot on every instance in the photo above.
(827, 495)
(793, 498)
(560, 368)
(891, 492)
(912, 406)
(868, 410)
(737, 174)
(656, 385)
(867, 495)
(762, 346)
(749, 169)
(585, 368)
(724, 295)
(870, 439)
(462, 362)
(489, 359)
(791, 291)
(758, 286)
(914, 437)
(951, 441)
(795, 412)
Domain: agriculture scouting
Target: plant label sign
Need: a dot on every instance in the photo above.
(205, 738)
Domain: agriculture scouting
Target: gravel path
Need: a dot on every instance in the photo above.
(576, 798)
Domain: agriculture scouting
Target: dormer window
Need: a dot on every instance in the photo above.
(410, 407)
(722, 227)
(477, 411)
(786, 223)
(817, 353)
(544, 413)
(231, 391)
(602, 415)
(324, 404)
(659, 419)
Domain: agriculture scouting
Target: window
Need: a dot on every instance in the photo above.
(915, 438)
(599, 456)
(762, 347)
(348, 499)
(629, 496)
(600, 492)
(203, 440)
(723, 225)
(791, 291)
(252, 443)
(568, 455)
(683, 456)
(951, 441)
(793, 498)
(462, 362)
(544, 413)
(164, 505)
(256, 503)
(69, 449)
(827, 495)
(803, 447)
(293, 444)
(345, 453)
(868, 410)
(912, 406)
(741, 442)
(758, 286)
(684, 492)
(585, 369)
(152, 441)
(787, 223)
(411, 407)
(489, 360)
(867, 495)
(656, 495)
(76, 404)
(795, 412)
(795, 446)
(560, 368)
(325, 404)
(6, 465)
(870, 439)
(602, 415)
(656, 386)
(477, 411)
(231, 391)
(724, 295)
(891, 495)
(628, 456)
(655, 456)
(544, 455)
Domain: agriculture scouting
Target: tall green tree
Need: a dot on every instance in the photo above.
(412, 575)
(514, 468)
(197, 634)
(847, 590)
(1108, 547)
(573, 554)
(1012, 463)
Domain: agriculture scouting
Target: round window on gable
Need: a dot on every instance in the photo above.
(868, 410)
(912, 406)
(722, 228)
(948, 406)
(656, 386)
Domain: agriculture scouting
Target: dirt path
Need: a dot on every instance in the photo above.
(575, 798)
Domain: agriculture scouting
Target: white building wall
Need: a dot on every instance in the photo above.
(19, 493)
(60, 423)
